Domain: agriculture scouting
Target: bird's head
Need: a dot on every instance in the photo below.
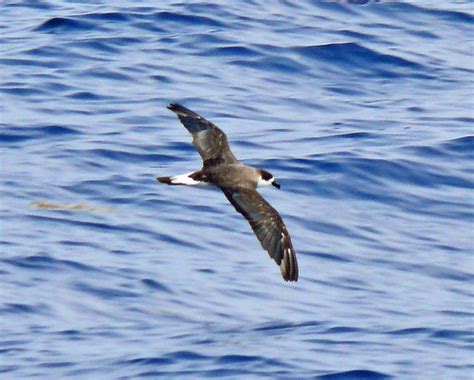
(266, 179)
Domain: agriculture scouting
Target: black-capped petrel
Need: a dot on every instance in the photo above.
(238, 182)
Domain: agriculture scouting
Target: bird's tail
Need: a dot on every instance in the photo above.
(167, 180)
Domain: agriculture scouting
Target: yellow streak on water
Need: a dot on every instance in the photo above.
(46, 205)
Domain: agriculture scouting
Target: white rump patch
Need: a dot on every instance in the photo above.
(184, 179)
(262, 182)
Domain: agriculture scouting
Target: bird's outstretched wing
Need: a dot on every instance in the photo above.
(269, 228)
(210, 142)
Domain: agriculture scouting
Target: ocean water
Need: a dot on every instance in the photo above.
(362, 110)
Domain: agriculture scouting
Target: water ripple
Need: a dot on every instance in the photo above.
(360, 108)
(62, 24)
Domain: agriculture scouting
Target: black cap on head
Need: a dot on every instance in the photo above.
(267, 176)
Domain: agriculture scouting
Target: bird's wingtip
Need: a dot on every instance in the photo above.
(179, 109)
(289, 266)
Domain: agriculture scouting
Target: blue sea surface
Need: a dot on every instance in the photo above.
(363, 110)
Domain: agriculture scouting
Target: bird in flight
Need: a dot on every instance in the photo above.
(238, 182)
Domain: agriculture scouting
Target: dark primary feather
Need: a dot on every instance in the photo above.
(210, 142)
(268, 227)
(190, 119)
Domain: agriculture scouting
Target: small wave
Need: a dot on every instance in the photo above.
(103, 292)
(42, 262)
(284, 326)
(146, 361)
(412, 331)
(430, 13)
(123, 156)
(18, 308)
(357, 374)
(463, 146)
(13, 138)
(455, 335)
(226, 359)
(457, 148)
(406, 171)
(361, 106)
(23, 91)
(101, 46)
(180, 18)
(279, 64)
(107, 16)
(63, 24)
(230, 51)
(84, 95)
(355, 57)
(154, 284)
(330, 257)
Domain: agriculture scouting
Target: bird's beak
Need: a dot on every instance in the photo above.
(276, 184)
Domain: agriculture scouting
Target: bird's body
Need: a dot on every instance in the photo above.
(238, 182)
